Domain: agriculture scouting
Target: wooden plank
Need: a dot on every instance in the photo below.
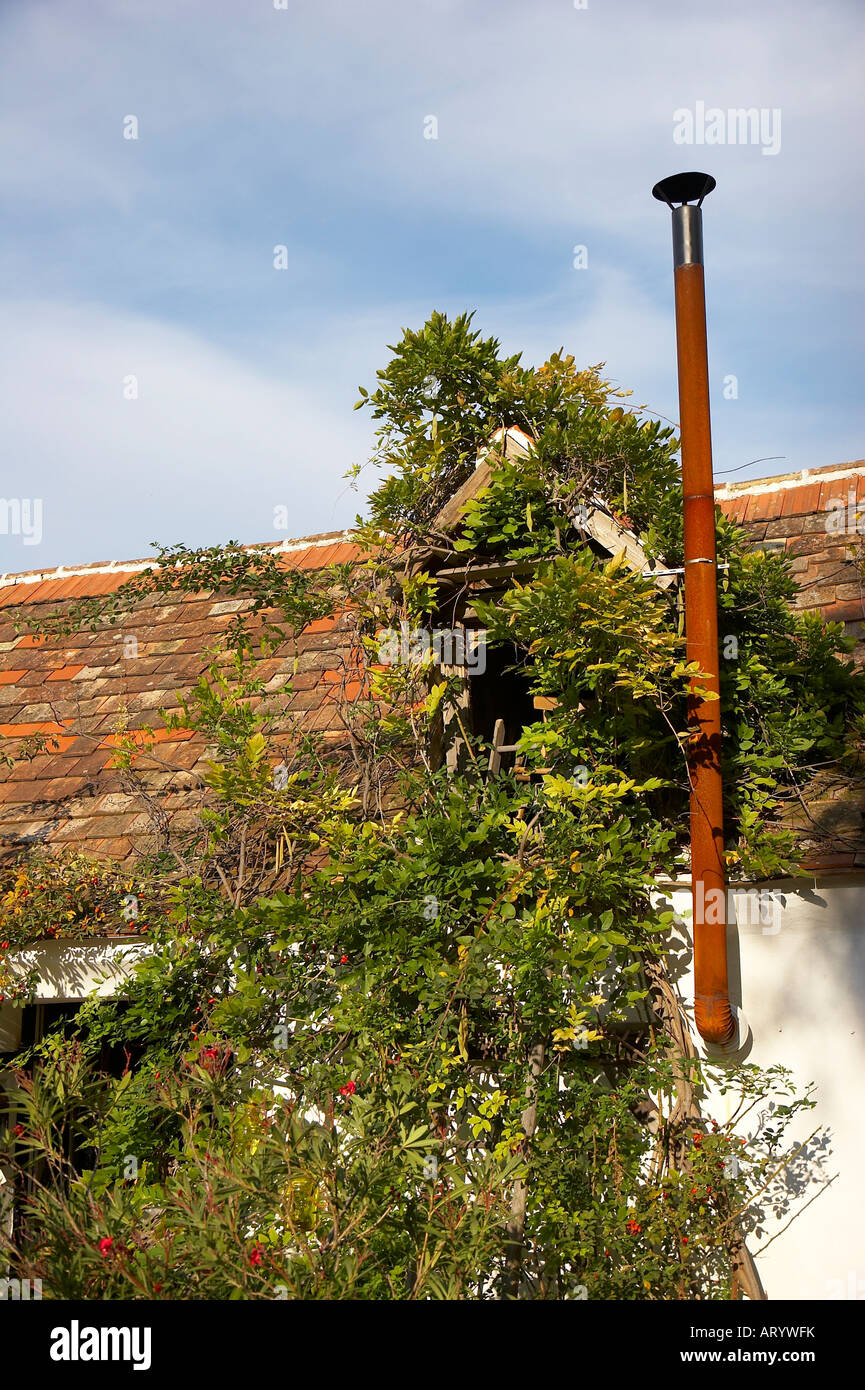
(516, 444)
(451, 512)
(495, 762)
(616, 540)
(485, 571)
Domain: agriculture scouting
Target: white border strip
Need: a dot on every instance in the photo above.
(138, 566)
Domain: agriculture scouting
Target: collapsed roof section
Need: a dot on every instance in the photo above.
(594, 521)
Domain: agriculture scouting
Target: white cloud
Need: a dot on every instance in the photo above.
(204, 454)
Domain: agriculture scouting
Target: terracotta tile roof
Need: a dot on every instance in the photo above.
(83, 694)
(813, 518)
(77, 691)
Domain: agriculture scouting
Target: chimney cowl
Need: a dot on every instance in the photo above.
(683, 188)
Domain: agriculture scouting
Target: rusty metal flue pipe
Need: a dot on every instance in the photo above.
(713, 1014)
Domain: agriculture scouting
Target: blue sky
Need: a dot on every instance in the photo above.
(304, 127)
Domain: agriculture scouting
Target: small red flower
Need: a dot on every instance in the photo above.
(684, 1240)
(633, 1227)
(255, 1255)
(343, 960)
(348, 1089)
(698, 1139)
(18, 1131)
(105, 1245)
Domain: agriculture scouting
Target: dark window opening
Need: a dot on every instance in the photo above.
(502, 692)
(109, 1060)
(38, 1020)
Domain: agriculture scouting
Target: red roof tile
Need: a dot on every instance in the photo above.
(298, 560)
(798, 501)
(65, 673)
(837, 488)
(766, 506)
(16, 593)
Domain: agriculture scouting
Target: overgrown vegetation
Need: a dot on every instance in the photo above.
(429, 1044)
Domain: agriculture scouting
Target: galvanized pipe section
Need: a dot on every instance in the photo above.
(687, 236)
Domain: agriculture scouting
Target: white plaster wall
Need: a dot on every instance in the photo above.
(800, 979)
(69, 971)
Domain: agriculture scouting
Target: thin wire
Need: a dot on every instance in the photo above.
(770, 458)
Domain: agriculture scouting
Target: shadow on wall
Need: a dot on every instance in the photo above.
(68, 973)
(797, 1180)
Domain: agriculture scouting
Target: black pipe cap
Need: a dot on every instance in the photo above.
(683, 188)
